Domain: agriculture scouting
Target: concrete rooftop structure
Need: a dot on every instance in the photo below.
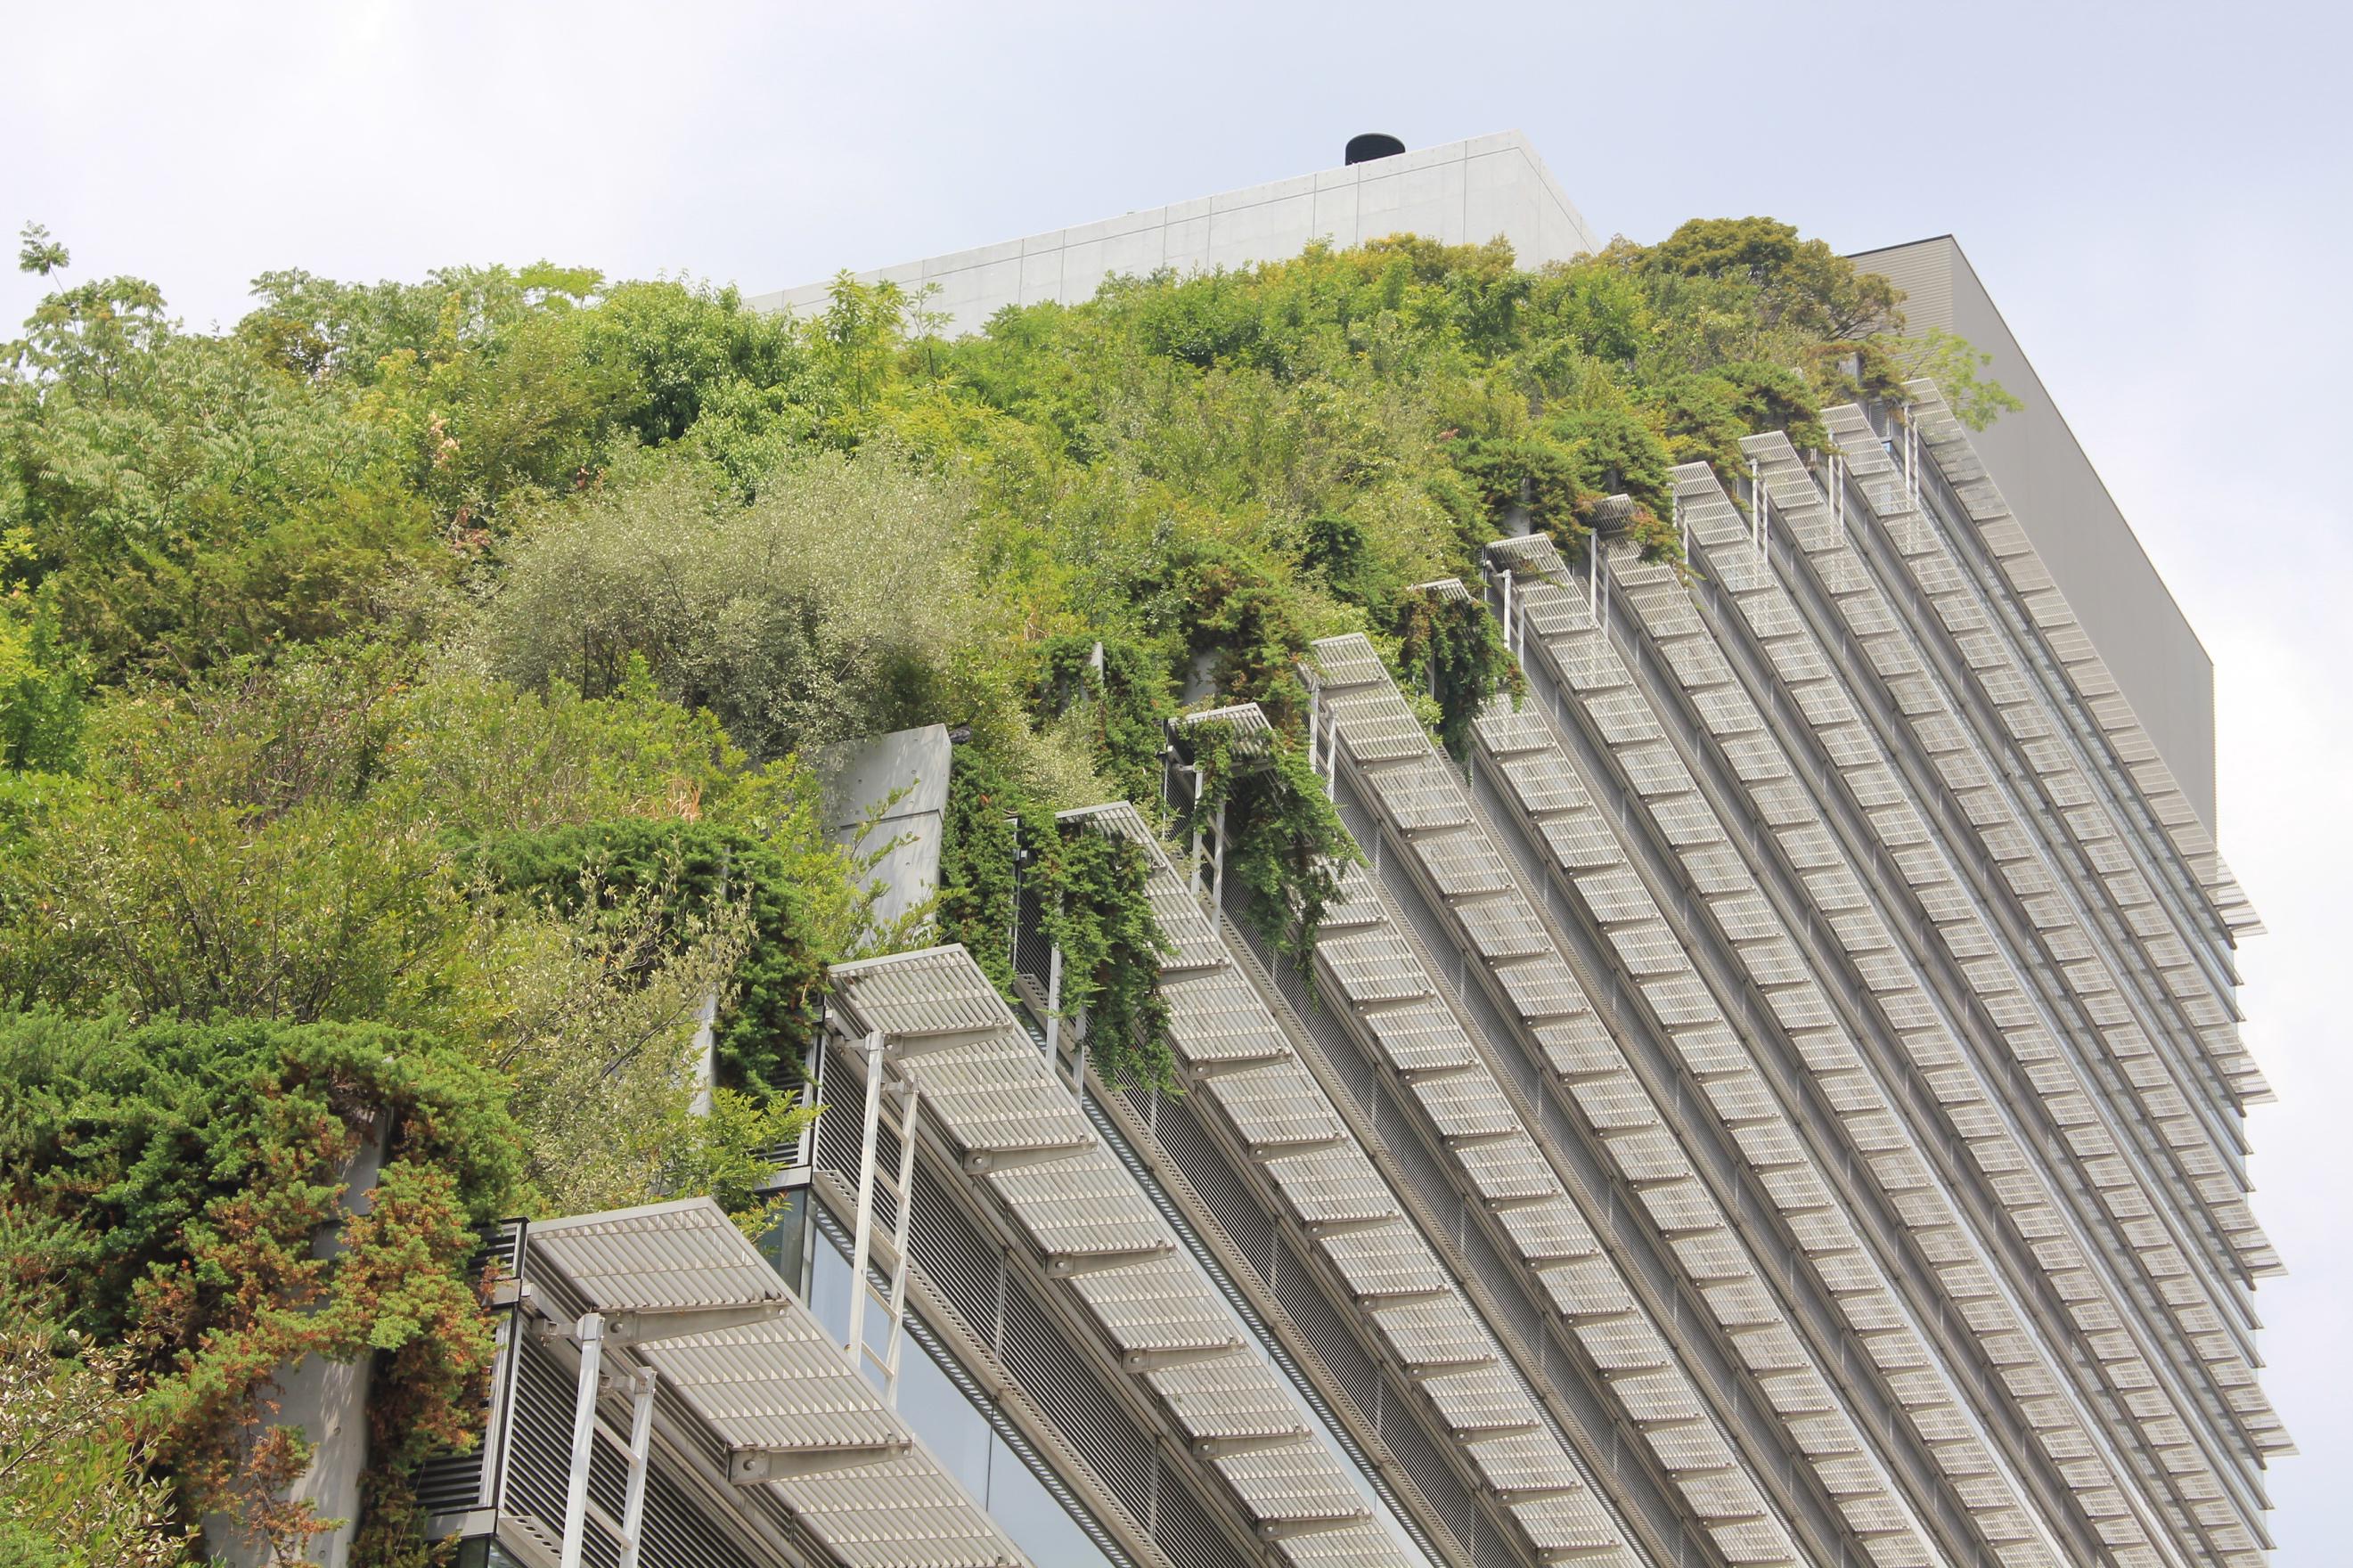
(1462, 193)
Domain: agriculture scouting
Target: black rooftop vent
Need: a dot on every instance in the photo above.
(1373, 144)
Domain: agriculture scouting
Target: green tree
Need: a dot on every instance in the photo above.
(1958, 369)
(1801, 282)
(832, 606)
(75, 1491)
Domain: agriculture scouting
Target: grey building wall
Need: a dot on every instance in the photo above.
(2076, 524)
(328, 1401)
(887, 795)
(1461, 193)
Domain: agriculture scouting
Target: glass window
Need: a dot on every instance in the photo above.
(1039, 1524)
(957, 1432)
(785, 1244)
(829, 1291)
(485, 1552)
(952, 1426)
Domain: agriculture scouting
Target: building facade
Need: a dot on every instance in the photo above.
(2078, 531)
(1778, 1101)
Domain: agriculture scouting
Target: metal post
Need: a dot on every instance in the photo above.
(1507, 609)
(863, 1241)
(1055, 1008)
(706, 1069)
(1753, 488)
(1911, 460)
(906, 1246)
(706, 1061)
(1195, 853)
(590, 1332)
(1218, 864)
(1593, 574)
(633, 1500)
(1082, 1075)
(1315, 713)
(815, 1096)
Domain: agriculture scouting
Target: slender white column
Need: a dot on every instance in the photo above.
(1194, 854)
(706, 1062)
(1218, 866)
(863, 1242)
(1054, 1009)
(906, 1246)
(633, 1500)
(1314, 714)
(590, 1332)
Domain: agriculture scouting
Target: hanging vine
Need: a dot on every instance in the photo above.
(999, 841)
(1123, 703)
(1452, 648)
(1284, 840)
(1096, 910)
(781, 981)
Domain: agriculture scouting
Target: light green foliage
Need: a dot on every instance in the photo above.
(293, 842)
(73, 1488)
(662, 890)
(1956, 369)
(40, 695)
(831, 606)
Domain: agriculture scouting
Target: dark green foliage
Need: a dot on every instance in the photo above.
(1613, 451)
(134, 1133)
(1284, 841)
(999, 841)
(1094, 908)
(764, 1039)
(173, 1177)
(1453, 649)
(1531, 477)
(1709, 414)
(1239, 624)
(992, 828)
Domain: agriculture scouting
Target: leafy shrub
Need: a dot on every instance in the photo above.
(1284, 840)
(175, 1175)
(1000, 839)
(779, 982)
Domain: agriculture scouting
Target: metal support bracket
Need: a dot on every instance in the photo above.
(752, 1466)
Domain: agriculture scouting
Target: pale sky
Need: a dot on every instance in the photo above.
(2155, 194)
